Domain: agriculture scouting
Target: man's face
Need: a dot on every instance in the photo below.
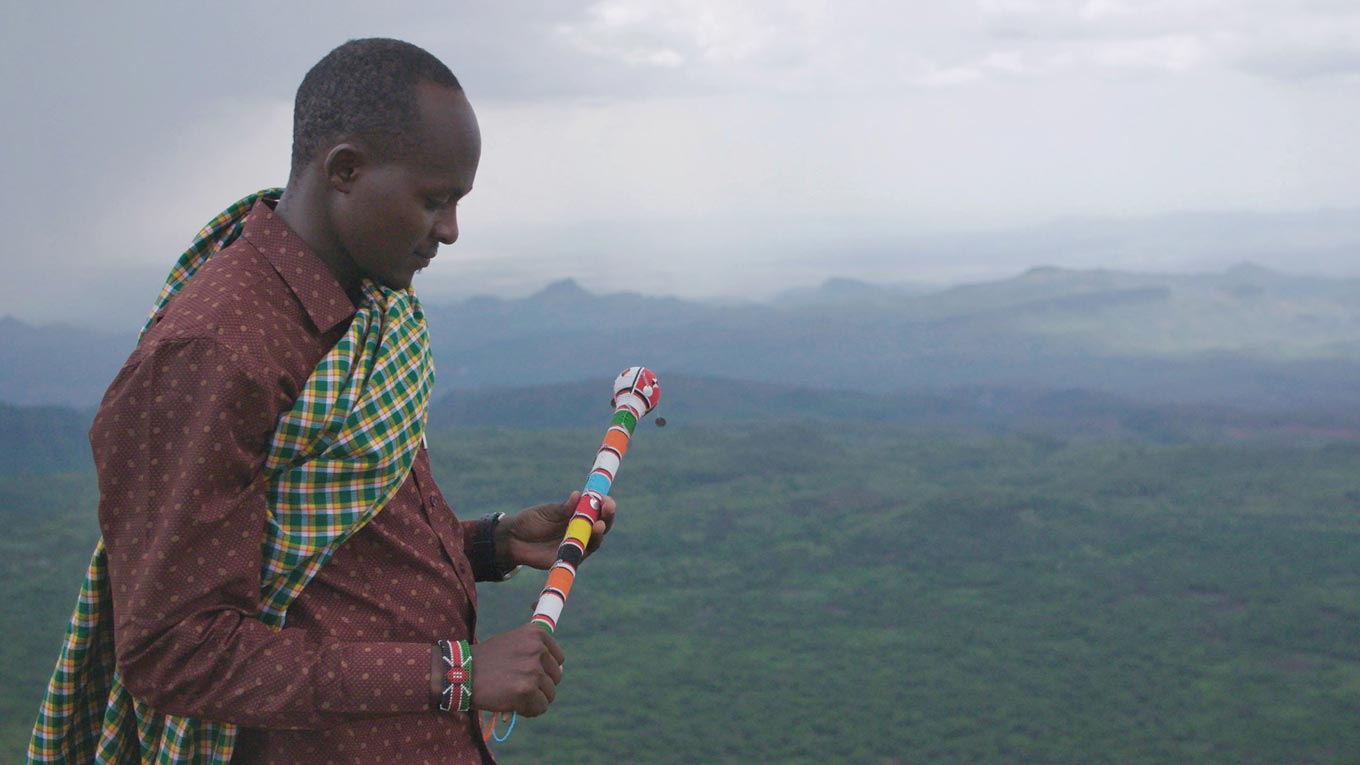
(398, 212)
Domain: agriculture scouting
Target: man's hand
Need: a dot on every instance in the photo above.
(516, 671)
(531, 536)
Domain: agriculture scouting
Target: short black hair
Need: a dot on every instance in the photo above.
(367, 88)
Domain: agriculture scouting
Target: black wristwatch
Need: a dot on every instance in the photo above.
(484, 551)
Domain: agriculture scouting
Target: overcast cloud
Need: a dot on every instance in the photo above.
(711, 149)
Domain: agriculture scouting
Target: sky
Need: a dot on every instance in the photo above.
(714, 149)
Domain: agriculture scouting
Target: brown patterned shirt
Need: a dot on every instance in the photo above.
(179, 444)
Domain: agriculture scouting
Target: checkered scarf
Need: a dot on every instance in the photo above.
(335, 459)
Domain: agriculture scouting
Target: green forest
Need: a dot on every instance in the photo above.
(803, 592)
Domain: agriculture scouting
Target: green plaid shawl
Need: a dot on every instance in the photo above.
(336, 458)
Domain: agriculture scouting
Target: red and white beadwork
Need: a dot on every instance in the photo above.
(457, 655)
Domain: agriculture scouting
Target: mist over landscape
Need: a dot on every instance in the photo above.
(1249, 337)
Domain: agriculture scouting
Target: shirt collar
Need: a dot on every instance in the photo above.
(306, 275)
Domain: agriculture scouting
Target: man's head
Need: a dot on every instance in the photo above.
(363, 88)
(384, 145)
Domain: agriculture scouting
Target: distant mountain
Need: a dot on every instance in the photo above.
(849, 292)
(1247, 310)
(1063, 413)
(57, 364)
(1248, 337)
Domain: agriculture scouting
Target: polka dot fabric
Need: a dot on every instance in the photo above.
(179, 444)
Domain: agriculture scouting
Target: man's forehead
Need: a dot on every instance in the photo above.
(449, 142)
(445, 114)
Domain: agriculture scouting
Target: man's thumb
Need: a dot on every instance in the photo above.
(566, 509)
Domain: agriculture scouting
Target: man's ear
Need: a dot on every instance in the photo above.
(343, 164)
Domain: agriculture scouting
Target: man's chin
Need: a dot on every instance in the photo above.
(397, 282)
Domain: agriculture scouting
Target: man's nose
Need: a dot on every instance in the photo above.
(446, 225)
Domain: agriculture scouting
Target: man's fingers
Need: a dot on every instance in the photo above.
(535, 705)
(554, 648)
(607, 510)
(556, 513)
(597, 533)
(541, 702)
(548, 688)
(518, 670)
(603, 525)
(553, 668)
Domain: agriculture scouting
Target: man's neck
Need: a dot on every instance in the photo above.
(302, 208)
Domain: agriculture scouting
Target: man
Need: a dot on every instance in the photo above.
(279, 576)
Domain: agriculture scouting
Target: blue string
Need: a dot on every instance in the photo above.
(501, 739)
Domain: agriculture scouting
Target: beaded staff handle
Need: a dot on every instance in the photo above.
(636, 392)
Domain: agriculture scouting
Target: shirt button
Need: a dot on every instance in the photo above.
(434, 500)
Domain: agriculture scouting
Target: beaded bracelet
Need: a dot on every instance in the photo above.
(457, 676)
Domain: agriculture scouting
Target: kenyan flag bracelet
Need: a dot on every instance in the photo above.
(457, 675)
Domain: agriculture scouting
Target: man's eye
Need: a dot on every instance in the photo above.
(436, 201)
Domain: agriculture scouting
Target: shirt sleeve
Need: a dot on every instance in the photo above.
(179, 445)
